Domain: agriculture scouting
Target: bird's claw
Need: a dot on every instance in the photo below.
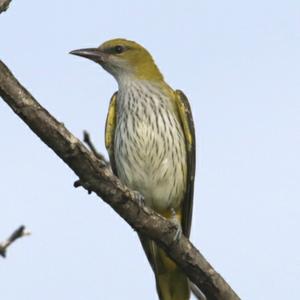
(102, 163)
(174, 220)
(139, 198)
(178, 233)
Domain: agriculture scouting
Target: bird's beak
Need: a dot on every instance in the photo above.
(91, 53)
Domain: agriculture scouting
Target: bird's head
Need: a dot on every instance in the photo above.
(123, 58)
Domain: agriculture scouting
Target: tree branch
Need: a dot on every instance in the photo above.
(18, 233)
(99, 179)
(4, 5)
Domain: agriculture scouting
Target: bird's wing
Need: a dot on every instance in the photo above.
(110, 127)
(186, 118)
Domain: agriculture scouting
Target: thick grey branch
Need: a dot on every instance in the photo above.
(93, 176)
(18, 233)
(4, 5)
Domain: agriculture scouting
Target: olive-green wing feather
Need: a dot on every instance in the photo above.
(186, 118)
(110, 127)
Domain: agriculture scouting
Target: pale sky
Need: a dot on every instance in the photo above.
(239, 64)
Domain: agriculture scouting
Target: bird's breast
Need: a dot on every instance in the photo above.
(150, 150)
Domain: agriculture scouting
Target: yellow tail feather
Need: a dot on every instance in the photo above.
(171, 282)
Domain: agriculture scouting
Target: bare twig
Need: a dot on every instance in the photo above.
(18, 233)
(107, 186)
(4, 5)
(87, 140)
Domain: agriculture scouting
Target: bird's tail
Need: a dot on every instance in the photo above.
(171, 282)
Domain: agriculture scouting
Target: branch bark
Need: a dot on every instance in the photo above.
(18, 233)
(4, 5)
(97, 177)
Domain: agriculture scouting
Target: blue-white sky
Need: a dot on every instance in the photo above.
(239, 64)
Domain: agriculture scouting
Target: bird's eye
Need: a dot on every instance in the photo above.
(119, 49)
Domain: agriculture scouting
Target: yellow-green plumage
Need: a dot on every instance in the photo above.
(151, 143)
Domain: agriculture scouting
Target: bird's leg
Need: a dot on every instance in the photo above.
(176, 221)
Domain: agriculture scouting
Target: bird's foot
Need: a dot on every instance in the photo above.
(139, 198)
(176, 222)
(178, 233)
(103, 163)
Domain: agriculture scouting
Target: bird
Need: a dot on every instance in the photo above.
(150, 139)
